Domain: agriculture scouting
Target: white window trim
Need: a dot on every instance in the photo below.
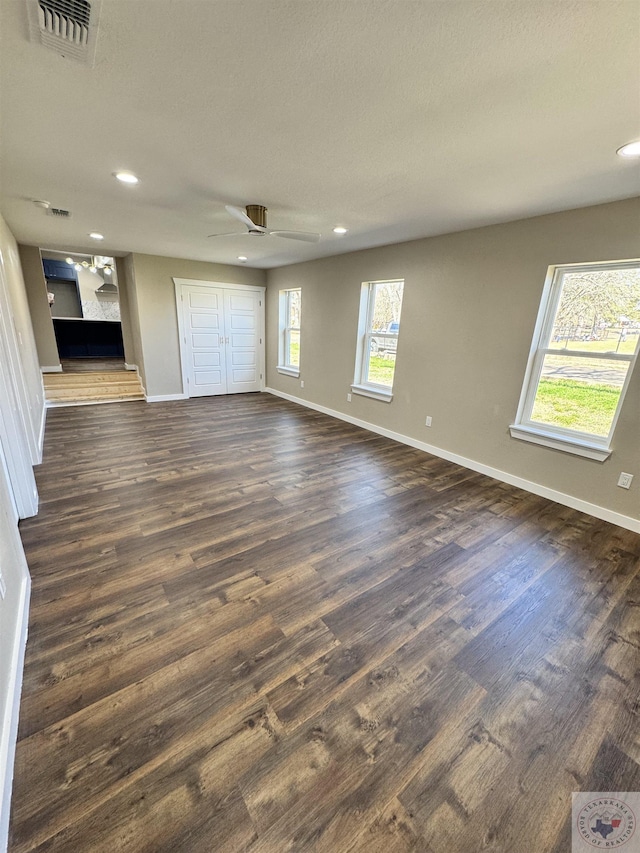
(365, 322)
(570, 441)
(283, 334)
(288, 371)
(376, 392)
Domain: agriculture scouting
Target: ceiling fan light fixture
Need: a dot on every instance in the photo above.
(631, 149)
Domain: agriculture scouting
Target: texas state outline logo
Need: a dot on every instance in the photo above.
(605, 821)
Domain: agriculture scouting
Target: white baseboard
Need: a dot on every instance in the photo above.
(504, 476)
(164, 398)
(9, 729)
(130, 366)
(51, 369)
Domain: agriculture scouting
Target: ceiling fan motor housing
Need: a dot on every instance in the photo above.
(257, 213)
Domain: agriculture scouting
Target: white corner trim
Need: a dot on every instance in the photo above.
(51, 369)
(43, 420)
(557, 442)
(288, 371)
(374, 393)
(164, 398)
(130, 366)
(9, 728)
(505, 477)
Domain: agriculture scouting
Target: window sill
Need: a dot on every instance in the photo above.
(577, 446)
(288, 371)
(373, 393)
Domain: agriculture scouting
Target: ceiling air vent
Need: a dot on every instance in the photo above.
(67, 26)
(60, 212)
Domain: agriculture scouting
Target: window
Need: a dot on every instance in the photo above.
(582, 356)
(289, 345)
(378, 330)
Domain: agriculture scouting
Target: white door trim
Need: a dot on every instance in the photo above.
(15, 443)
(179, 283)
(12, 363)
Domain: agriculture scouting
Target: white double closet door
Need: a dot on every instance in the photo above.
(221, 337)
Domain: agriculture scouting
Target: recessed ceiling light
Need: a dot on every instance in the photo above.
(339, 230)
(631, 149)
(242, 257)
(126, 177)
(95, 235)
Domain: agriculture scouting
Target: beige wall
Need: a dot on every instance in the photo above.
(36, 289)
(125, 313)
(469, 310)
(155, 300)
(131, 327)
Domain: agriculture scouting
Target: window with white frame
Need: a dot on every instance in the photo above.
(583, 352)
(289, 341)
(378, 331)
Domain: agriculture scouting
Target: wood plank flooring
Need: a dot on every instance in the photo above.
(256, 628)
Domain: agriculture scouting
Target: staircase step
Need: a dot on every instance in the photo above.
(94, 401)
(55, 380)
(92, 387)
(88, 391)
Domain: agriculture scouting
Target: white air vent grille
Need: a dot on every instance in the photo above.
(67, 26)
(60, 212)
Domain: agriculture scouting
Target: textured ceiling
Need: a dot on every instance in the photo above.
(394, 118)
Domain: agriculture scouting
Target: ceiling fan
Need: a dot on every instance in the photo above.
(256, 221)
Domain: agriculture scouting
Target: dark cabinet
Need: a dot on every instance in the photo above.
(88, 339)
(58, 270)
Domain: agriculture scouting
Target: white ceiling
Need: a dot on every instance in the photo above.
(395, 118)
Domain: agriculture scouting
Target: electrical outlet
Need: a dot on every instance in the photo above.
(624, 480)
(348, 398)
(3, 587)
(428, 421)
(302, 383)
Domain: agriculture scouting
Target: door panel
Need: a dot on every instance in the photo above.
(242, 322)
(205, 378)
(210, 343)
(243, 358)
(204, 341)
(206, 359)
(203, 299)
(204, 321)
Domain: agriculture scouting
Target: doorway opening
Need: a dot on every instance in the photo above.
(85, 308)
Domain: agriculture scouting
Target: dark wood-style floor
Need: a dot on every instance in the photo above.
(255, 628)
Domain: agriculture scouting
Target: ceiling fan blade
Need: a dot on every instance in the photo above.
(306, 236)
(241, 216)
(231, 234)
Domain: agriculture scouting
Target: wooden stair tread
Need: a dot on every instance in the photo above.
(55, 379)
